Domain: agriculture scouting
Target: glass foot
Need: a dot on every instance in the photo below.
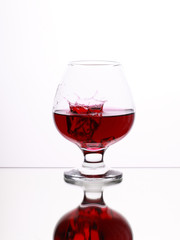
(76, 177)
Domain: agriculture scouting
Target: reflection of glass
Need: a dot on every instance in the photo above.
(93, 220)
(93, 108)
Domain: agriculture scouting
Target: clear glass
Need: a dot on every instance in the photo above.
(93, 108)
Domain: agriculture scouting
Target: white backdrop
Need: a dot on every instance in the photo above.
(37, 40)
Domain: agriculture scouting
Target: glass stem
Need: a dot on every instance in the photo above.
(93, 159)
(93, 194)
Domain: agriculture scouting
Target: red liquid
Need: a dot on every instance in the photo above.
(93, 223)
(91, 128)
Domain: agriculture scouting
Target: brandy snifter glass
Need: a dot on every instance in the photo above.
(93, 108)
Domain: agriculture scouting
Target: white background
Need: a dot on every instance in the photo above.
(37, 40)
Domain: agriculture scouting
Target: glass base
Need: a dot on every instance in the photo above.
(76, 177)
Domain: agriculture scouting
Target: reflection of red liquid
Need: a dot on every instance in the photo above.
(93, 223)
(91, 128)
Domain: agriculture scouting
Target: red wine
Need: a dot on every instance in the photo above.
(92, 128)
(93, 223)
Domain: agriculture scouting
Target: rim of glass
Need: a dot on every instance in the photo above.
(94, 63)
